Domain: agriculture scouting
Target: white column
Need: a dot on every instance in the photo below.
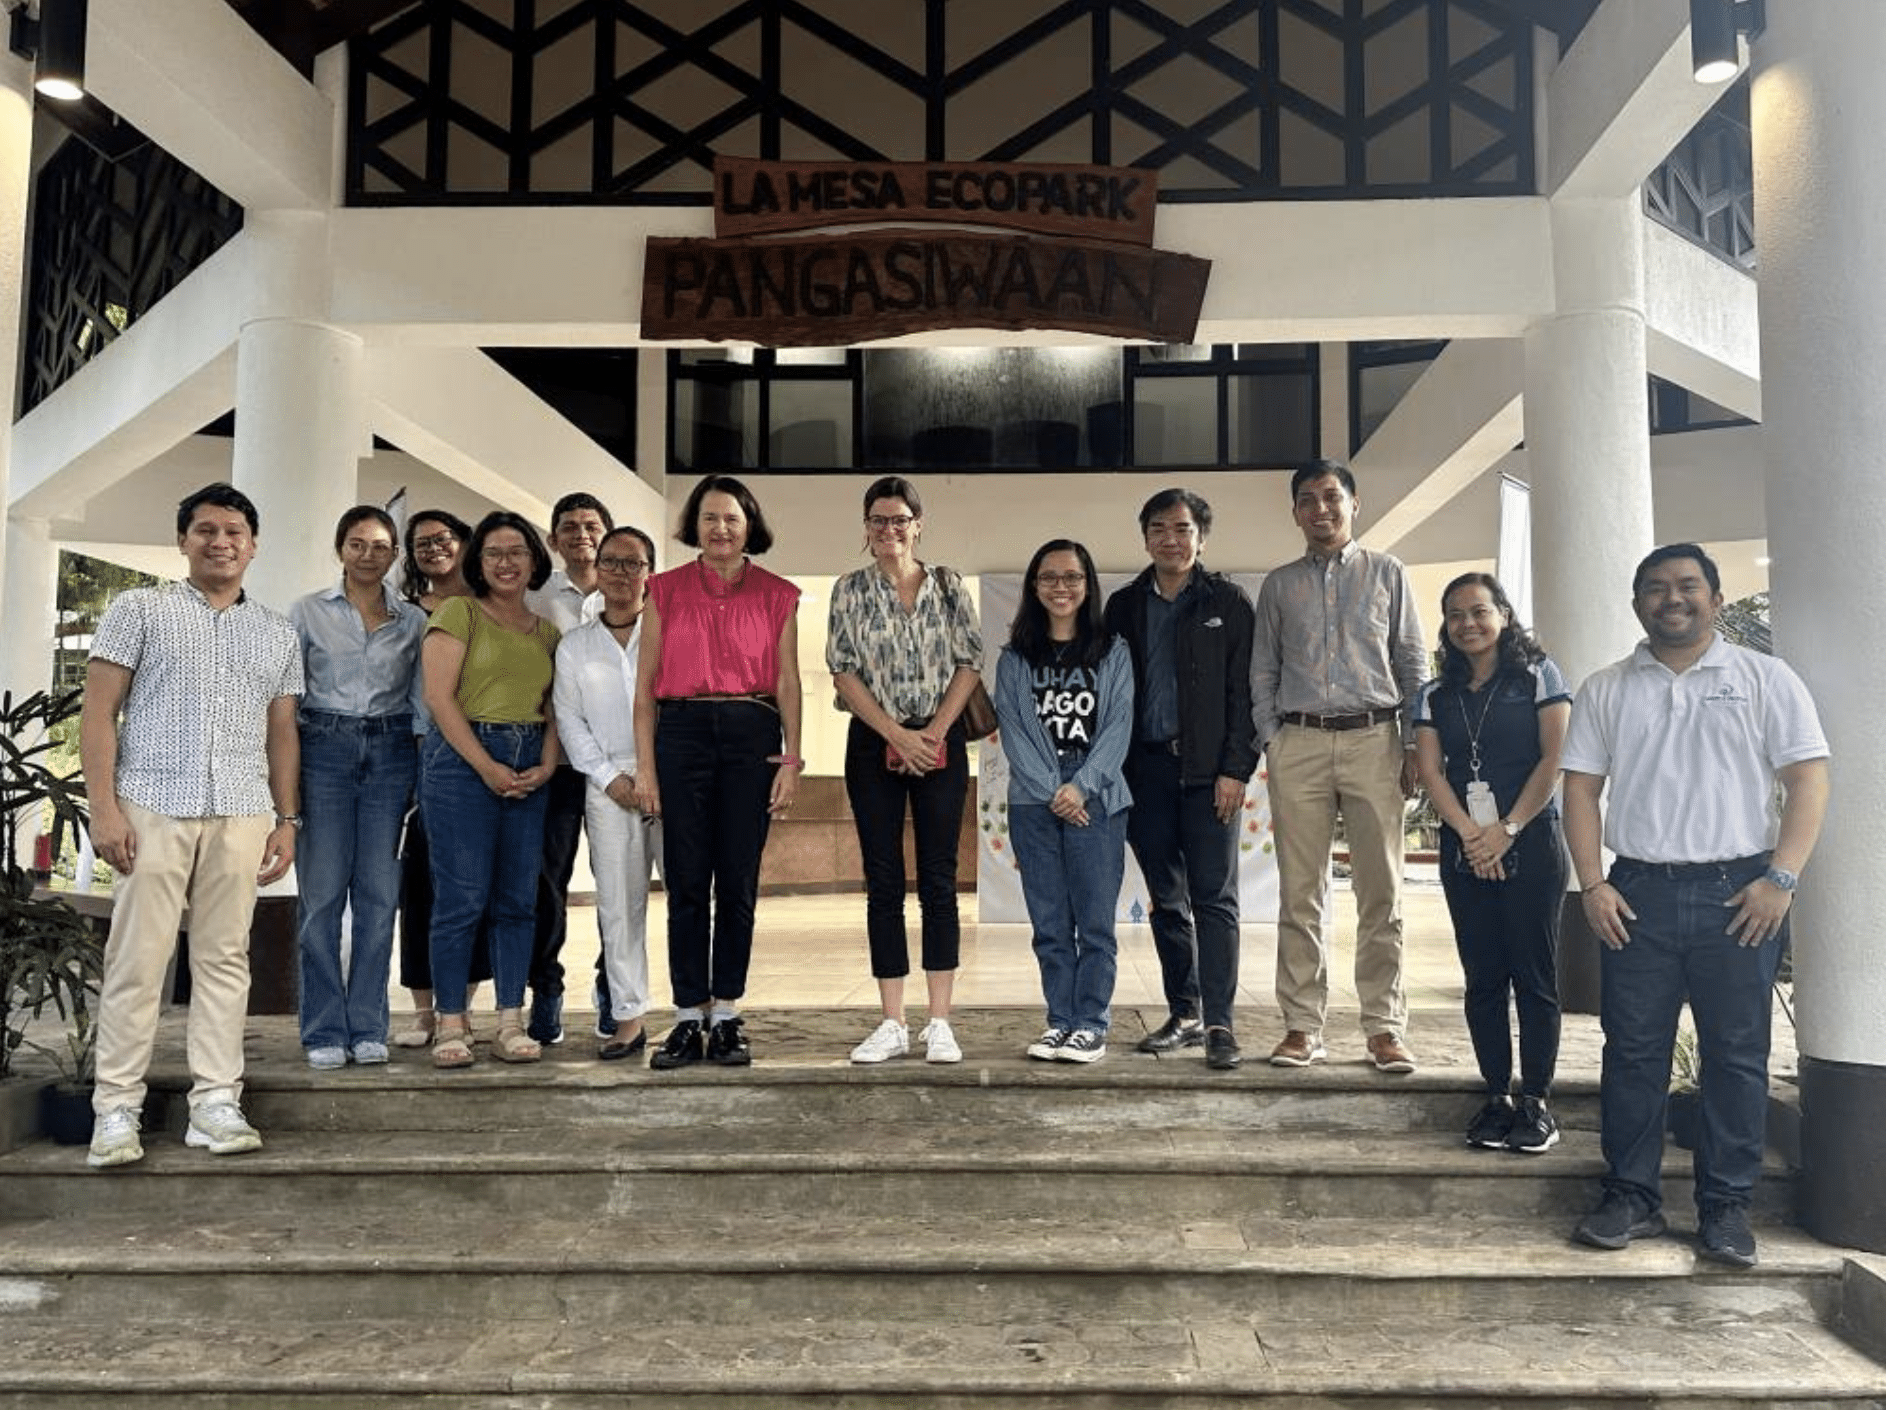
(1818, 110)
(16, 171)
(300, 428)
(31, 588)
(1588, 437)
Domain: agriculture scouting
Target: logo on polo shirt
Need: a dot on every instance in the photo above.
(1725, 694)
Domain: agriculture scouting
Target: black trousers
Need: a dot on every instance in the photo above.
(1190, 862)
(879, 798)
(563, 827)
(711, 758)
(415, 915)
(1507, 933)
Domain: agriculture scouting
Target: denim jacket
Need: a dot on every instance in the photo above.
(1034, 767)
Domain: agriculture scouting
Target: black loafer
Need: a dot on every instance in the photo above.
(1173, 1034)
(727, 1045)
(616, 1049)
(1221, 1049)
(684, 1045)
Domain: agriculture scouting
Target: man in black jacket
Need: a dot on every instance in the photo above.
(1194, 749)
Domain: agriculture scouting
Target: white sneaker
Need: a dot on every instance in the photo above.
(330, 1059)
(888, 1040)
(219, 1128)
(942, 1046)
(115, 1138)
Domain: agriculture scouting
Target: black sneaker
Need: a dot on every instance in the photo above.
(605, 1016)
(546, 1017)
(727, 1045)
(1491, 1124)
(1534, 1129)
(682, 1047)
(1082, 1045)
(1047, 1045)
(1619, 1218)
(1726, 1236)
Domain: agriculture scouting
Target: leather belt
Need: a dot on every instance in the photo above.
(1365, 720)
(1695, 871)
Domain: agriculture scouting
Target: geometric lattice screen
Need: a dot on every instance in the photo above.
(109, 240)
(1705, 189)
(628, 101)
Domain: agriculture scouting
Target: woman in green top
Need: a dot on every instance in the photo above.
(487, 661)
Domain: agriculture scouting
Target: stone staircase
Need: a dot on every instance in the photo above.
(1001, 1234)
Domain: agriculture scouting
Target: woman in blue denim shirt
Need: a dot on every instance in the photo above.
(1064, 695)
(360, 644)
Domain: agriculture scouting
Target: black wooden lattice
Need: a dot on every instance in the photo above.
(1705, 189)
(627, 101)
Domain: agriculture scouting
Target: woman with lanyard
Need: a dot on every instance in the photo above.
(433, 570)
(1064, 695)
(360, 645)
(905, 653)
(717, 709)
(1487, 739)
(488, 664)
(595, 695)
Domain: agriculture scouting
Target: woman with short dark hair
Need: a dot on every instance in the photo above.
(489, 663)
(360, 646)
(717, 709)
(1064, 695)
(905, 652)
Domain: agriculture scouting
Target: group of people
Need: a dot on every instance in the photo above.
(432, 754)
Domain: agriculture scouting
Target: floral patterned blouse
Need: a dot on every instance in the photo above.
(905, 659)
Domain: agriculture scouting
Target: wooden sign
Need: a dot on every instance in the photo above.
(1088, 202)
(852, 288)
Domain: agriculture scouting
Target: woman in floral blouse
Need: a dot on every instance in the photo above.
(904, 651)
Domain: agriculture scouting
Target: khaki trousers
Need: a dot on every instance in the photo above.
(1314, 775)
(211, 862)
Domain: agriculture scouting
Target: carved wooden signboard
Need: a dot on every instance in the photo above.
(1086, 263)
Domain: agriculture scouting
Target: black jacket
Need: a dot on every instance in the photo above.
(1212, 651)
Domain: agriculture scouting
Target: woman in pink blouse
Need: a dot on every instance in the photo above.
(717, 708)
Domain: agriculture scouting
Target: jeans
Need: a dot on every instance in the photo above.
(623, 845)
(879, 796)
(486, 851)
(1190, 862)
(711, 759)
(1680, 948)
(1071, 884)
(415, 914)
(357, 777)
(1507, 933)
(563, 828)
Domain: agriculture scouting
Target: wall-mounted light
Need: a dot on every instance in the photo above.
(55, 41)
(1715, 56)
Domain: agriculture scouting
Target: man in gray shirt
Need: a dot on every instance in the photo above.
(1338, 657)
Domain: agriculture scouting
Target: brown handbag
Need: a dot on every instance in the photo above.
(978, 717)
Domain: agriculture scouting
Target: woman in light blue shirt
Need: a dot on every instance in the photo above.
(1064, 695)
(360, 642)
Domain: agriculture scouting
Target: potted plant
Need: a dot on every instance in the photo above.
(50, 956)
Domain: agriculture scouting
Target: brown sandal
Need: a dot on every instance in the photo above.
(514, 1045)
(451, 1047)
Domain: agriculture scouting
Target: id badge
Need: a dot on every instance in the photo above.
(1480, 805)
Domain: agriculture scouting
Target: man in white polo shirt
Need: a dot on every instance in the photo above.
(1693, 733)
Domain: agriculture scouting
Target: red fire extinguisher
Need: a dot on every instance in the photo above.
(42, 856)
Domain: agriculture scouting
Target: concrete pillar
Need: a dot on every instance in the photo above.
(300, 418)
(31, 586)
(16, 172)
(1588, 460)
(1818, 109)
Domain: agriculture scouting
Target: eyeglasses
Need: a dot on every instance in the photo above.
(890, 521)
(366, 548)
(1061, 580)
(431, 542)
(505, 555)
(623, 565)
(1172, 531)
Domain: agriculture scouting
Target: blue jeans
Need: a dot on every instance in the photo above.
(1190, 862)
(1071, 885)
(356, 779)
(486, 851)
(1680, 948)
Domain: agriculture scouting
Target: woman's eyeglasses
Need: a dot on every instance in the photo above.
(1059, 580)
(622, 565)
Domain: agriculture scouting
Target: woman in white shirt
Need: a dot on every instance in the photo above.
(595, 704)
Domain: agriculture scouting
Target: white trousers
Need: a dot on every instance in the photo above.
(623, 847)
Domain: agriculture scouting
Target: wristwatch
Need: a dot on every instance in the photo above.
(1512, 828)
(1782, 879)
(292, 819)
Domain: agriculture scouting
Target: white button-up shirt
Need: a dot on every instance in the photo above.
(595, 701)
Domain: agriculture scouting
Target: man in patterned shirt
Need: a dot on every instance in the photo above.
(192, 797)
(1337, 659)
